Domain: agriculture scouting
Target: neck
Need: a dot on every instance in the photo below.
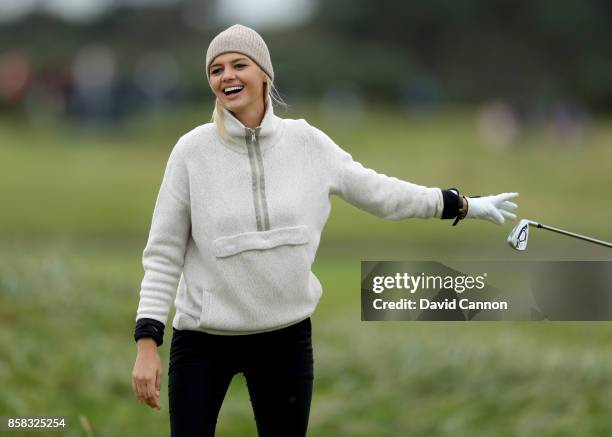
(251, 117)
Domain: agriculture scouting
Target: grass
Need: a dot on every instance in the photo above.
(75, 217)
(66, 350)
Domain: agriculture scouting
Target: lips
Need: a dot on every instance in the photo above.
(233, 90)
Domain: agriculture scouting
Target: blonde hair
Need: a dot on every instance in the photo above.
(269, 90)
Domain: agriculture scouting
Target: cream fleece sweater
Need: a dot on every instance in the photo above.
(237, 223)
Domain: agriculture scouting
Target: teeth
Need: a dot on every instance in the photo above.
(232, 88)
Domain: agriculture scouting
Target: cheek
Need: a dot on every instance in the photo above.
(256, 87)
(214, 85)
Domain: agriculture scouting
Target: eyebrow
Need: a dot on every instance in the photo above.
(235, 60)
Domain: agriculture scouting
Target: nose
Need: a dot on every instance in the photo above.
(227, 75)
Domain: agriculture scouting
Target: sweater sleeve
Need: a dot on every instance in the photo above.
(384, 196)
(164, 253)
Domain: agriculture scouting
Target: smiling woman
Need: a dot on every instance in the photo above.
(236, 227)
(228, 70)
(239, 85)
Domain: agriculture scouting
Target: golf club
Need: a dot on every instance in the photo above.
(520, 234)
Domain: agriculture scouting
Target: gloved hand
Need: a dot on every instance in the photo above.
(493, 208)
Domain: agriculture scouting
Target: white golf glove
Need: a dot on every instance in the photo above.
(492, 208)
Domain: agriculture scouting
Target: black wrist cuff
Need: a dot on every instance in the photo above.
(452, 203)
(149, 328)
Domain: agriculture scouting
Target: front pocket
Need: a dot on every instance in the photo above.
(232, 245)
(264, 279)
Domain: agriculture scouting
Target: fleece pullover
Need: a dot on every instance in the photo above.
(237, 223)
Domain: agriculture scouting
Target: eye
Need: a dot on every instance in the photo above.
(215, 71)
(240, 65)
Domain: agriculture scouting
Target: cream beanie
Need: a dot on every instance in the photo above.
(240, 39)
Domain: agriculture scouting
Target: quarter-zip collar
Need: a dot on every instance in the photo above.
(268, 132)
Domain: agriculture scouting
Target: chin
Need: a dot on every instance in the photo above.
(236, 106)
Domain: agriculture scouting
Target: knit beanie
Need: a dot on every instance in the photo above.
(240, 39)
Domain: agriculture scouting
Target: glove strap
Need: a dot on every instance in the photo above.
(462, 212)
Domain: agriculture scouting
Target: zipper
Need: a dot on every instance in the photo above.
(257, 179)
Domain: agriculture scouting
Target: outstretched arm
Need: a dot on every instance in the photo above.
(395, 199)
(384, 196)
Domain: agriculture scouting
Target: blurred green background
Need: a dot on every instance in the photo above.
(486, 97)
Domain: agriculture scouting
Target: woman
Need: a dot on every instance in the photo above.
(236, 225)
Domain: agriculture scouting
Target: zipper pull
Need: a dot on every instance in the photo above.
(253, 133)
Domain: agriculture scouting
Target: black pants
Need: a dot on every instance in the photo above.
(277, 365)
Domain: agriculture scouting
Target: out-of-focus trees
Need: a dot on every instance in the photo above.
(481, 49)
(528, 53)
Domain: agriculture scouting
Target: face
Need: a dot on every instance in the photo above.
(230, 70)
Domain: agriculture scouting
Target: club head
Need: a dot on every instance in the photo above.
(520, 235)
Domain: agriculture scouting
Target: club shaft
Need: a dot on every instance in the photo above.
(572, 234)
